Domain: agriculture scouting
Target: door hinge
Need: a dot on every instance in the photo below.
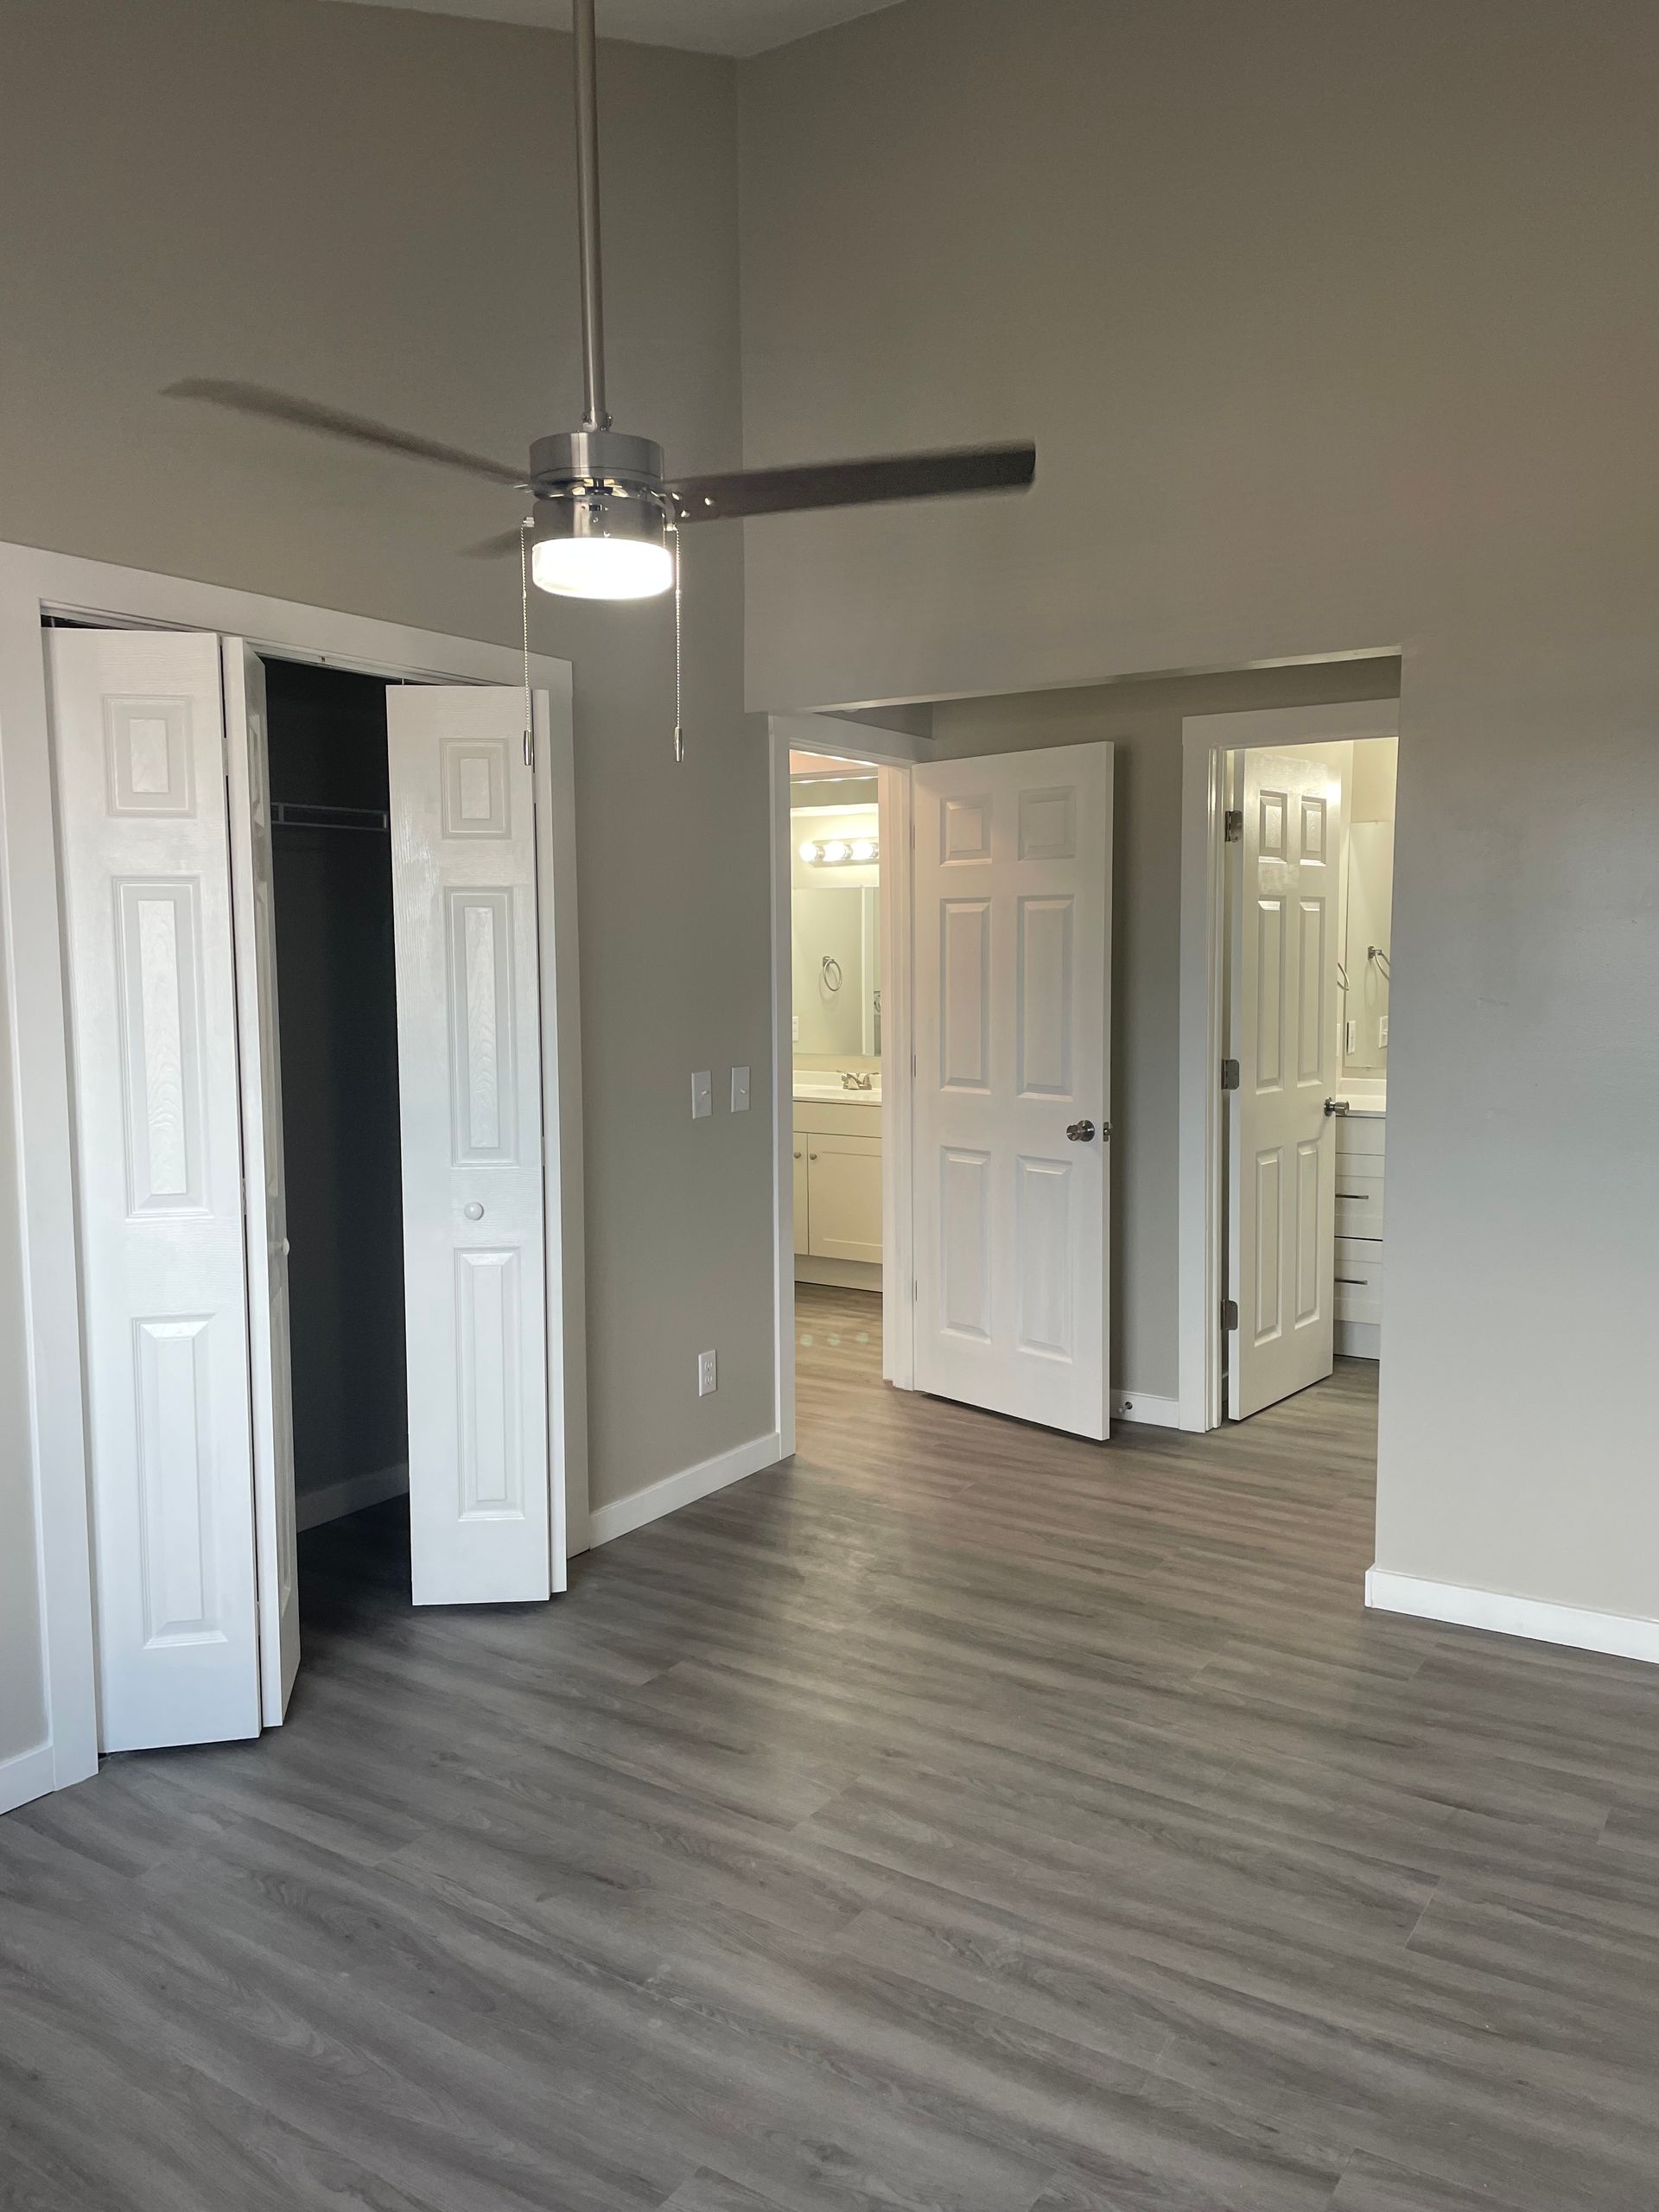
(913, 1064)
(1232, 826)
(1230, 1312)
(915, 1290)
(1230, 1075)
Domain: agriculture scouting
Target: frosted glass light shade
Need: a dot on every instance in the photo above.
(601, 568)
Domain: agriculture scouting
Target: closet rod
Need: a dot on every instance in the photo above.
(290, 814)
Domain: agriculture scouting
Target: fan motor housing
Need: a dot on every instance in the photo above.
(570, 459)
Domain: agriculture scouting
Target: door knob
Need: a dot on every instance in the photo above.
(1081, 1132)
(473, 1212)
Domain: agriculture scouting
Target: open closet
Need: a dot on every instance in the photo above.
(331, 841)
(309, 917)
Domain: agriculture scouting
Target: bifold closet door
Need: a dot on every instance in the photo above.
(252, 898)
(464, 894)
(1283, 1032)
(138, 729)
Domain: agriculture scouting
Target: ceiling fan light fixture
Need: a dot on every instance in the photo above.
(600, 524)
(600, 545)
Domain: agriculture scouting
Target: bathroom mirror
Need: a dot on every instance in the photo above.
(838, 963)
(1365, 955)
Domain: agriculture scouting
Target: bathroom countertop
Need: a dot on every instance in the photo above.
(1373, 1102)
(826, 1091)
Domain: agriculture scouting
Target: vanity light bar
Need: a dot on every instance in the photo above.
(839, 852)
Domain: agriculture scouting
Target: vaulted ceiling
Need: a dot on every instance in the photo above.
(738, 27)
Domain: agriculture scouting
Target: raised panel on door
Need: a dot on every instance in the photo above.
(253, 910)
(1011, 891)
(1283, 1029)
(464, 894)
(137, 730)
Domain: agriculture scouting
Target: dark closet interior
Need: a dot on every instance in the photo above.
(337, 997)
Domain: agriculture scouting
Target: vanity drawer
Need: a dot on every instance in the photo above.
(1360, 1135)
(1359, 1195)
(832, 1118)
(1358, 1279)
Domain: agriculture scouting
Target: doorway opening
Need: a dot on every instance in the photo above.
(1306, 914)
(336, 996)
(836, 1125)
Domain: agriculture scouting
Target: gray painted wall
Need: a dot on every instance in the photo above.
(1143, 721)
(1338, 328)
(375, 207)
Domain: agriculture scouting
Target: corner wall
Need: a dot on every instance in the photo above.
(376, 206)
(1338, 330)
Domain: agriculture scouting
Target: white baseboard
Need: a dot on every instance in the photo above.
(313, 1507)
(605, 1522)
(840, 1274)
(26, 1775)
(1141, 1407)
(1625, 1636)
(1359, 1339)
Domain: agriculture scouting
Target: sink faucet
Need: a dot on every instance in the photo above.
(851, 1082)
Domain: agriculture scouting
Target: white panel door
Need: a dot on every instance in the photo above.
(463, 861)
(252, 902)
(138, 733)
(1283, 1032)
(1012, 896)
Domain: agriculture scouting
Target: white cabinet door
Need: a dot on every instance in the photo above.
(252, 899)
(843, 1178)
(463, 847)
(138, 729)
(1013, 976)
(1283, 1034)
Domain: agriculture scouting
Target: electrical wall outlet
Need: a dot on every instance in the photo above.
(794, 1028)
(1382, 1029)
(708, 1379)
(739, 1090)
(702, 1094)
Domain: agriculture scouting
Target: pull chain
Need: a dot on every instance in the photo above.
(679, 720)
(525, 528)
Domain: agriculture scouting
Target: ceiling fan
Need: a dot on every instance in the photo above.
(603, 511)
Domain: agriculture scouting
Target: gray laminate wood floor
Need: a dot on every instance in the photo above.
(960, 1817)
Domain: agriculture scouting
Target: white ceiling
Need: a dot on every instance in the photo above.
(740, 26)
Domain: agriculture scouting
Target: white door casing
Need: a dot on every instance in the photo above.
(1012, 904)
(464, 894)
(1283, 1032)
(138, 742)
(253, 913)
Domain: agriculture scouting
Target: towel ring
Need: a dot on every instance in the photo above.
(831, 972)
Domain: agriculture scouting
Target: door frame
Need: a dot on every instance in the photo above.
(1207, 741)
(892, 752)
(34, 584)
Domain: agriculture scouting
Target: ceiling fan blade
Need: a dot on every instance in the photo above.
(856, 483)
(332, 422)
(496, 547)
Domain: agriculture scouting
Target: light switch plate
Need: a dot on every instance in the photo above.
(795, 1028)
(702, 1094)
(1382, 1029)
(739, 1090)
